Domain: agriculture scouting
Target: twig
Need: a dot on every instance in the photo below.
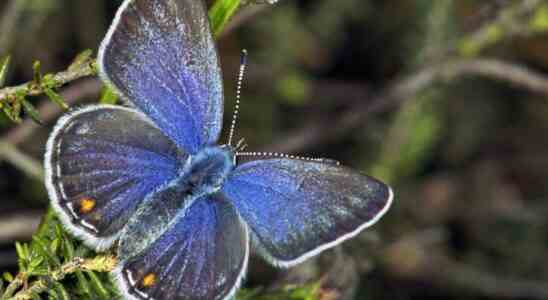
(49, 110)
(404, 90)
(514, 74)
(19, 225)
(14, 285)
(28, 165)
(98, 264)
(510, 22)
(32, 88)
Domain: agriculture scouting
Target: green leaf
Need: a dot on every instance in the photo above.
(61, 292)
(35, 296)
(68, 248)
(20, 252)
(37, 71)
(26, 250)
(31, 111)
(52, 295)
(98, 285)
(55, 98)
(83, 284)
(35, 263)
(41, 247)
(85, 57)
(59, 231)
(22, 258)
(7, 276)
(4, 67)
(13, 111)
(307, 292)
(55, 245)
(108, 96)
(248, 294)
(220, 14)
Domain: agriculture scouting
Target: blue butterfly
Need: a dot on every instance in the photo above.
(152, 178)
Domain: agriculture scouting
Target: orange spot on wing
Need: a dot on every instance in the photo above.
(149, 280)
(87, 205)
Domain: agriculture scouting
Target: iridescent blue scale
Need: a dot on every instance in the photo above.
(152, 178)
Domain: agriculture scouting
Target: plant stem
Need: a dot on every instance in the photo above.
(31, 88)
(99, 264)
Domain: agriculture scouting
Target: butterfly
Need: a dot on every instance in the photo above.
(152, 178)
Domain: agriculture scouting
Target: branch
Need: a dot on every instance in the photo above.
(48, 110)
(511, 22)
(97, 264)
(403, 90)
(83, 66)
(514, 74)
(27, 164)
(18, 225)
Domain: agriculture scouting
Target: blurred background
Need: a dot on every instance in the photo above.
(445, 100)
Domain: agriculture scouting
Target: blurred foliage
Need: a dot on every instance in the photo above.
(306, 292)
(415, 130)
(14, 100)
(56, 265)
(220, 14)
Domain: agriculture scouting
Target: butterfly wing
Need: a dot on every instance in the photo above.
(101, 162)
(296, 209)
(160, 55)
(202, 255)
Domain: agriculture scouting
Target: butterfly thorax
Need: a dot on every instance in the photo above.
(206, 171)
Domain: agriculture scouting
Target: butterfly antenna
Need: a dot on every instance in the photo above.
(288, 156)
(241, 74)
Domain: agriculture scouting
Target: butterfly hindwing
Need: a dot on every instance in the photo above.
(101, 162)
(296, 209)
(160, 55)
(202, 255)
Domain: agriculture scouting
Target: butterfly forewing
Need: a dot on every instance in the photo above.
(160, 55)
(295, 209)
(202, 255)
(101, 162)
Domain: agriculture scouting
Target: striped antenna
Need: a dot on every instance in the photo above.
(241, 74)
(288, 156)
